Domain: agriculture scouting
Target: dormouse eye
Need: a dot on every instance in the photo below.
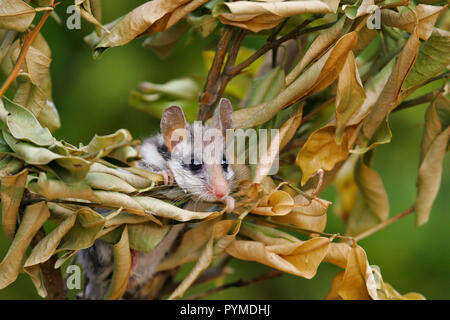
(224, 164)
(195, 165)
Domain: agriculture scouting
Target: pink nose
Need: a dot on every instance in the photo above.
(220, 194)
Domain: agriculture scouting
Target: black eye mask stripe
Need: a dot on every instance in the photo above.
(164, 151)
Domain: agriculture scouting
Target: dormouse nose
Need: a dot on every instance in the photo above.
(217, 182)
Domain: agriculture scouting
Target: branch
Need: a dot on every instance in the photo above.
(239, 284)
(31, 35)
(384, 224)
(213, 76)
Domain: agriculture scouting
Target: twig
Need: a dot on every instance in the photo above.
(384, 224)
(306, 231)
(270, 45)
(416, 101)
(239, 284)
(209, 274)
(317, 110)
(446, 74)
(26, 45)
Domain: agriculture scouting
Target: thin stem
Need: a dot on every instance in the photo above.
(384, 224)
(239, 284)
(306, 231)
(416, 101)
(270, 45)
(26, 45)
(441, 76)
(317, 110)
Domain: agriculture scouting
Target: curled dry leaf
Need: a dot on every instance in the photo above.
(55, 189)
(372, 189)
(122, 267)
(406, 20)
(86, 228)
(150, 17)
(346, 188)
(278, 203)
(390, 96)
(16, 15)
(47, 246)
(317, 77)
(106, 144)
(301, 258)
(277, 143)
(12, 188)
(357, 281)
(165, 210)
(324, 41)
(257, 16)
(350, 95)
(308, 214)
(434, 145)
(322, 152)
(34, 217)
(106, 181)
(134, 180)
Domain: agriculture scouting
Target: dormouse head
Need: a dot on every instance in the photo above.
(198, 158)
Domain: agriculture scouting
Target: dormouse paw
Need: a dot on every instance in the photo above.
(168, 177)
(229, 201)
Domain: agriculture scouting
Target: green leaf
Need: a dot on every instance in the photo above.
(266, 87)
(204, 25)
(82, 235)
(433, 58)
(162, 43)
(105, 181)
(146, 236)
(24, 126)
(106, 144)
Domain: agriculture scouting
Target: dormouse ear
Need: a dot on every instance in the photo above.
(173, 126)
(223, 119)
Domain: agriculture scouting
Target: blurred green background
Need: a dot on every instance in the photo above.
(92, 98)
